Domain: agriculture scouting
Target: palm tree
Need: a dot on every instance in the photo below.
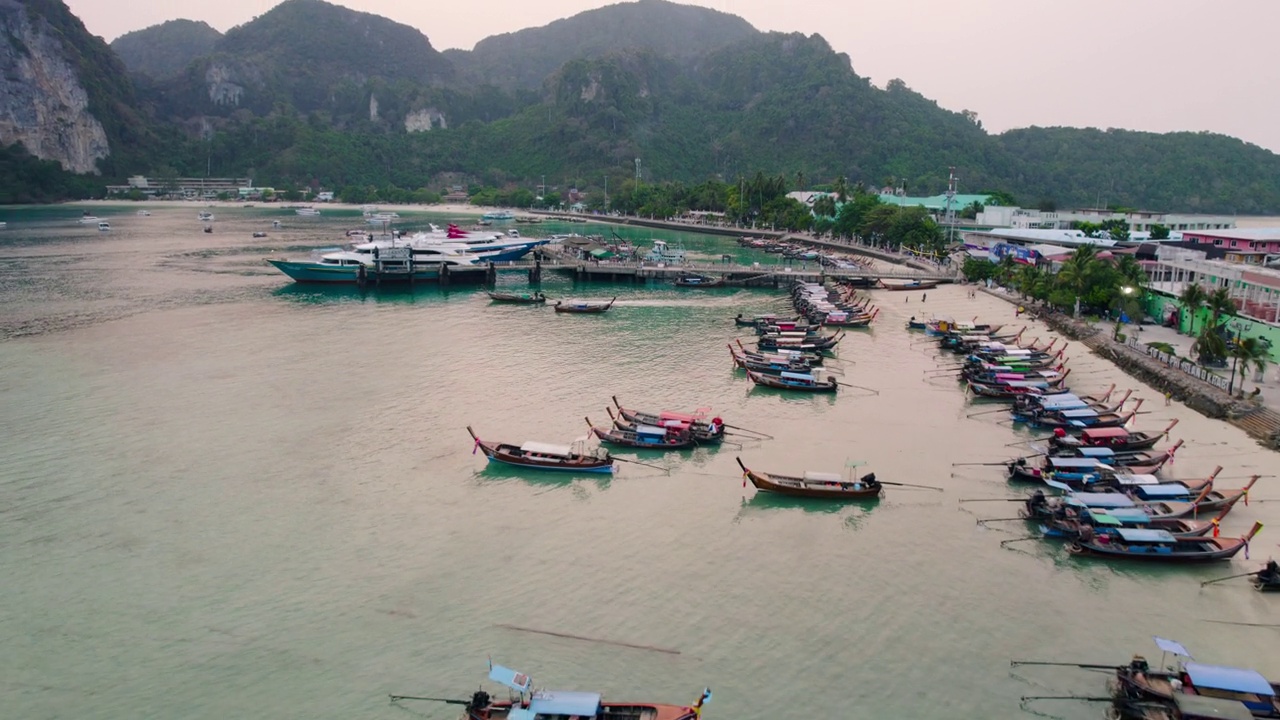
(1193, 297)
(1249, 352)
(1220, 305)
(841, 189)
(824, 206)
(800, 180)
(1078, 272)
(1210, 347)
(1026, 279)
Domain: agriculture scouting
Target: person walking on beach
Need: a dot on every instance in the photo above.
(1167, 396)
(924, 297)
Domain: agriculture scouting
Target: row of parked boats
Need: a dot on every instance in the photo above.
(1117, 500)
(800, 251)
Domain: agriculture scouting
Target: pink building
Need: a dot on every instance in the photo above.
(1259, 240)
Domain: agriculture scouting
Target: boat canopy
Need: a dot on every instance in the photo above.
(1101, 500)
(1079, 414)
(1100, 433)
(1083, 463)
(1145, 535)
(681, 417)
(541, 448)
(798, 376)
(1096, 452)
(650, 430)
(1137, 480)
(1171, 646)
(519, 713)
(1163, 491)
(1105, 520)
(823, 477)
(517, 681)
(558, 702)
(1220, 677)
(1199, 706)
(1129, 515)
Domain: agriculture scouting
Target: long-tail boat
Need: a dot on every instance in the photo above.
(826, 486)
(1122, 458)
(1065, 520)
(774, 342)
(813, 358)
(769, 365)
(1081, 418)
(1115, 438)
(1138, 681)
(1208, 501)
(704, 432)
(804, 382)
(1159, 545)
(535, 704)
(698, 281)
(545, 456)
(582, 306)
(524, 298)
(742, 321)
(1074, 470)
(1012, 390)
(1032, 404)
(649, 437)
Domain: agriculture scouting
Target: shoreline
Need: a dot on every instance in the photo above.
(442, 209)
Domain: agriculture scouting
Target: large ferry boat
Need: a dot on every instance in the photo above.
(353, 267)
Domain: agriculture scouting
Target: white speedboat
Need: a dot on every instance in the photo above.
(144, 213)
(104, 226)
(205, 217)
(87, 219)
(307, 212)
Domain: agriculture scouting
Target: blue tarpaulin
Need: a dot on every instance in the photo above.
(1220, 677)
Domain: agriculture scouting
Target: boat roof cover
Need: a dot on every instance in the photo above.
(1102, 518)
(682, 417)
(1172, 646)
(1199, 706)
(797, 376)
(823, 476)
(517, 681)
(1081, 413)
(1163, 491)
(1145, 535)
(650, 430)
(519, 713)
(1137, 480)
(1096, 452)
(1220, 677)
(1111, 432)
(1076, 463)
(559, 702)
(1102, 500)
(542, 448)
(1129, 515)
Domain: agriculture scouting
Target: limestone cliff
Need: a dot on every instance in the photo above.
(43, 104)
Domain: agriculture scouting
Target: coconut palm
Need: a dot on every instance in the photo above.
(1249, 353)
(1210, 347)
(1079, 271)
(824, 206)
(841, 189)
(1193, 297)
(1220, 306)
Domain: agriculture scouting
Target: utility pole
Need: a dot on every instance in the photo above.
(950, 217)
(638, 177)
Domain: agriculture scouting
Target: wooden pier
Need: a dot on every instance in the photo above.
(756, 275)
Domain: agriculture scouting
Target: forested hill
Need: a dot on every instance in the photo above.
(526, 58)
(312, 93)
(163, 51)
(1190, 172)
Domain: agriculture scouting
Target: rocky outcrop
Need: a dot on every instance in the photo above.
(423, 120)
(43, 104)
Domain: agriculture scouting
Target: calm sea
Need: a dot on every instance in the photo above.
(226, 495)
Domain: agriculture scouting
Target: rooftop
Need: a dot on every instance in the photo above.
(1250, 234)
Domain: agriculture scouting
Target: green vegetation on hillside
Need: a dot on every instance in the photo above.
(524, 59)
(164, 51)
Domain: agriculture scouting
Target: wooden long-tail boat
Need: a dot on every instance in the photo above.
(813, 358)
(1138, 681)
(545, 456)
(775, 342)
(1118, 458)
(1036, 405)
(583, 306)
(1114, 438)
(649, 437)
(536, 298)
(794, 381)
(1066, 521)
(704, 433)
(537, 704)
(1208, 501)
(826, 486)
(1012, 390)
(1159, 545)
(741, 321)
(774, 366)
(1081, 418)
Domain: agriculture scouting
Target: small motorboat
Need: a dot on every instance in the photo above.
(583, 306)
(825, 486)
(545, 456)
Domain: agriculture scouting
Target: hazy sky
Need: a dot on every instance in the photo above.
(1156, 65)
